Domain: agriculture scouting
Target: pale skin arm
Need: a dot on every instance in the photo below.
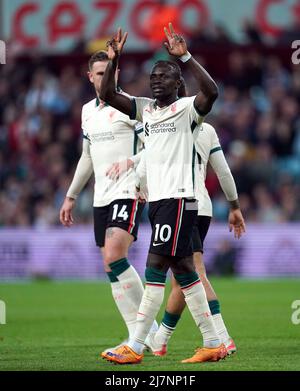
(81, 176)
(65, 214)
(208, 90)
(235, 220)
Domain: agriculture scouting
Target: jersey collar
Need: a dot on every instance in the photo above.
(157, 107)
(100, 103)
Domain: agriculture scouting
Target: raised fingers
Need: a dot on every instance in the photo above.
(123, 40)
(171, 29)
(119, 34)
(167, 34)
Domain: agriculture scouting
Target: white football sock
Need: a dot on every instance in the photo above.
(221, 328)
(150, 305)
(196, 301)
(125, 307)
(132, 286)
(163, 334)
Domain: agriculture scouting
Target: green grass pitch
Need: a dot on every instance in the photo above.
(64, 326)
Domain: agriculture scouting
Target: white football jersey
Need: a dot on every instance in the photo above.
(112, 137)
(171, 159)
(206, 143)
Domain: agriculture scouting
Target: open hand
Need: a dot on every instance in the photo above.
(236, 223)
(115, 45)
(65, 214)
(117, 169)
(176, 44)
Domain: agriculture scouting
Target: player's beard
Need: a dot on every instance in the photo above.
(159, 95)
(162, 97)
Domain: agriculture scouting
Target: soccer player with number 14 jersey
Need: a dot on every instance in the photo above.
(110, 135)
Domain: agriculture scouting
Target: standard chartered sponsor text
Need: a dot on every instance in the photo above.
(104, 136)
(164, 127)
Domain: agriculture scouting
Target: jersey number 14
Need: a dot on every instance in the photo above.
(122, 213)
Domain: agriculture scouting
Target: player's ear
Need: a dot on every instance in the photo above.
(182, 89)
(90, 76)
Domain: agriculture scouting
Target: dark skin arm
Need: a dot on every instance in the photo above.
(108, 91)
(208, 90)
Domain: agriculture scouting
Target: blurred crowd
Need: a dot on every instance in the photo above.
(256, 117)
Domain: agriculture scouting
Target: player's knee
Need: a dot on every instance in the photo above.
(155, 276)
(182, 265)
(158, 262)
(187, 279)
(113, 254)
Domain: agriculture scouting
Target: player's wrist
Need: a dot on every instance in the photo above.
(185, 57)
(116, 58)
(71, 198)
(234, 204)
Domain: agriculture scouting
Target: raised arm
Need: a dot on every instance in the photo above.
(208, 90)
(108, 91)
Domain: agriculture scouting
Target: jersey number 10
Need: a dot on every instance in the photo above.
(164, 232)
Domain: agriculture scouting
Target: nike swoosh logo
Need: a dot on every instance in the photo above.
(156, 244)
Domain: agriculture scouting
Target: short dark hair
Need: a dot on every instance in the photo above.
(171, 64)
(101, 55)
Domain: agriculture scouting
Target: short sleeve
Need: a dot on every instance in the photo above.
(206, 140)
(139, 131)
(194, 114)
(138, 105)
